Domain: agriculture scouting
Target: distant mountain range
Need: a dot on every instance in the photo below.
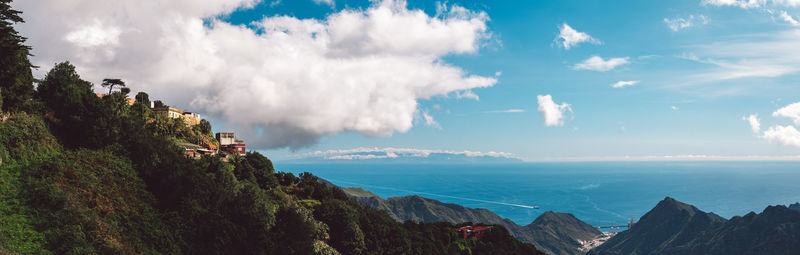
(552, 232)
(402, 155)
(673, 227)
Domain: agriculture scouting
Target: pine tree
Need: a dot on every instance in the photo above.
(16, 79)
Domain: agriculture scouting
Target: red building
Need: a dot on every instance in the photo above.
(236, 147)
(474, 231)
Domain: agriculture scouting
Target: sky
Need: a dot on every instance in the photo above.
(535, 80)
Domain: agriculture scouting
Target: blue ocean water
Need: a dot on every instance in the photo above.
(595, 192)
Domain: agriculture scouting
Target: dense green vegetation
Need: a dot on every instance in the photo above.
(80, 174)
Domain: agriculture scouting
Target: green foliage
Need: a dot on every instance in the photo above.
(16, 78)
(71, 101)
(159, 104)
(93, 202)
(25, 141)
(110, 83)
(143, 98)
(204, 127)
(343, 221)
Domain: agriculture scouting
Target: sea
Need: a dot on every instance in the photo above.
(595, 192)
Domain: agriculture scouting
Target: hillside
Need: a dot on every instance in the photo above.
(130, 190)
(553, 233)
(673, 227)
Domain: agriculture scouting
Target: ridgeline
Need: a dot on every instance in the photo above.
(552, 232)
(673, 227)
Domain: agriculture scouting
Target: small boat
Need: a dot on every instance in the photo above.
(535, 207)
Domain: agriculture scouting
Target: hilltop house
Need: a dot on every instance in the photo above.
(190, 118)
(228, 142)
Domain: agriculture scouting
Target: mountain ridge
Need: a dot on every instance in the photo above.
(673, 227)
(552, 232)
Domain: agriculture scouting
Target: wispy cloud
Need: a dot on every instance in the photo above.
(622, 84)
(761, 55)
(749, 4)
(430, 121)
(383, 153)
(326, 2)
(596, 63)
(505, 111)
(678, 23)
(553, 113)
(788, 18)
(737, 3)
(569, 37)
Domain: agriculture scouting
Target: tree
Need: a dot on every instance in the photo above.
(159, 104)
(110, 83)
(72, 101)
(204, 127)
(16, 78)
(143, 98)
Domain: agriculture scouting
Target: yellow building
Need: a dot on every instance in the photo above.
(169, 112)
(190, 118)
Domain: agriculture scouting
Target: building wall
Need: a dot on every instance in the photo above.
(226, 138)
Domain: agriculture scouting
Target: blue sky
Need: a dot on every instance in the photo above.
(638, 120)
(697, 68)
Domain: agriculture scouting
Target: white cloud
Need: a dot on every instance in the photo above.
(380, 153)
(791, 111)
(596, 63)
(622, 84)
(553, 113)
(755, 123)
(748, 4)
(327, 2)
(674, 108)
(737, 3)
(569, 37)
(788, 18)
(283, 81)
(681, 23)
(786, 135)
(468, 94)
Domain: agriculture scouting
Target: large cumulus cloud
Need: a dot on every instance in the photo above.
(281, 81)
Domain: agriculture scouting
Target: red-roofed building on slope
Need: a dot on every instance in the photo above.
(474, 231)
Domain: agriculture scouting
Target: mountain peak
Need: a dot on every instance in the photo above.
(795, 206)
(670, 205)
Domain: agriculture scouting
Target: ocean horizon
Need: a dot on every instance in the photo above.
(595, 192)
